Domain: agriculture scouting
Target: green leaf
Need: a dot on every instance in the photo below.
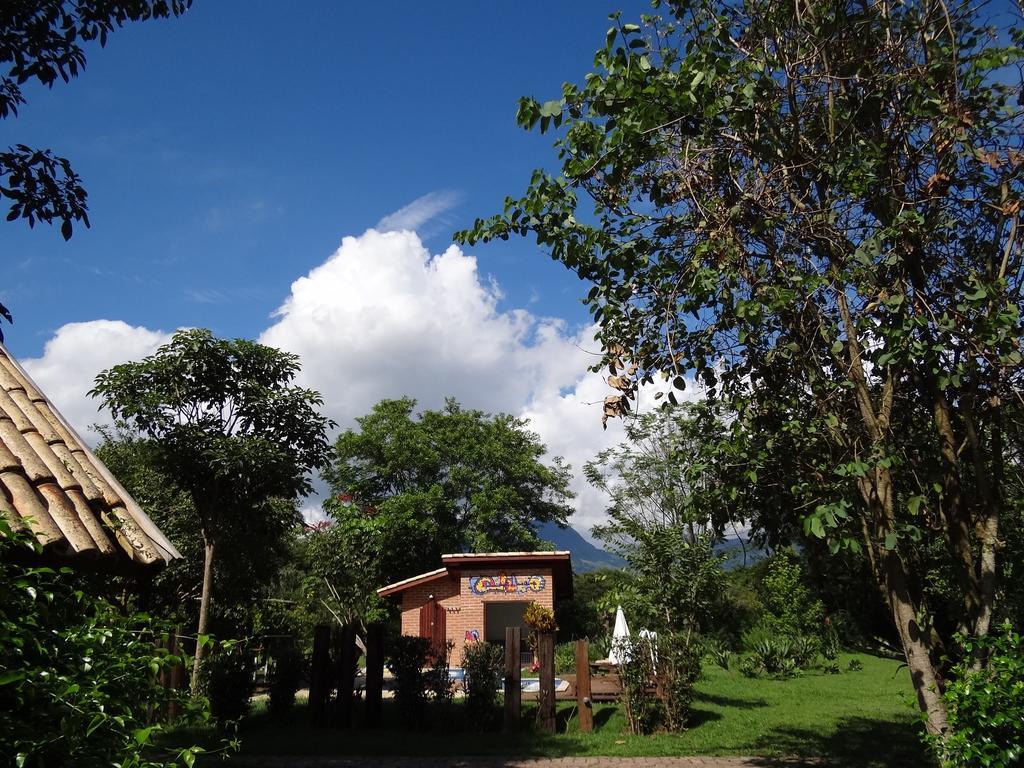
(890, 540)
(979, 294)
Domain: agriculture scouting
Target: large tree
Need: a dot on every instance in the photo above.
(43, 41)
(230, 428)
(408, 487)
(242, 573)
(666, 511)
(814, 206)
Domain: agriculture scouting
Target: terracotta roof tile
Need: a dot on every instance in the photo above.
(52, 484)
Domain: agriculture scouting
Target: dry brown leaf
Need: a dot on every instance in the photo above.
(619, 382)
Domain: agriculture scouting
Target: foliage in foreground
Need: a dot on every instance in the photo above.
(483, 663)
(228, 427)
(658, 681)
(78, 679)
(814, 209)
(986, 706)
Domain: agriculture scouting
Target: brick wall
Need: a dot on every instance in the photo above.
(464, 611)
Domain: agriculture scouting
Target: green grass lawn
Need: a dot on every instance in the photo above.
(864, 718)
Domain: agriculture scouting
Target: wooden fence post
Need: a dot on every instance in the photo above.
(374, 674)
(175, 680)
(583, 702)
(546, 700)
(513, 684)
(320, 674)
(346, 674)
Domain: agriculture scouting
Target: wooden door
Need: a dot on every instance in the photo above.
(432, 625)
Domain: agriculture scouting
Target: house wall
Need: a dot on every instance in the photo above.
(464, 609)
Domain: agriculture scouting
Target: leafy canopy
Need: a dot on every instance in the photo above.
(231, 427)
(814, 208)
(665, 513)
(79, 679)
(411, 487)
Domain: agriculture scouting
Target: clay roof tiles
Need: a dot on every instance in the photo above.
(52, 484)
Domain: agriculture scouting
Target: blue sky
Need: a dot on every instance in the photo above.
(228, 153)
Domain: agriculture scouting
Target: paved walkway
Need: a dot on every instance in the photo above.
(515, 762)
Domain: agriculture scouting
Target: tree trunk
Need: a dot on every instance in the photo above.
(915, 645)
(204, 613)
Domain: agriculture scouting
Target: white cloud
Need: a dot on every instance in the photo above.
(76, 353)
(419, 211)
(382, 317)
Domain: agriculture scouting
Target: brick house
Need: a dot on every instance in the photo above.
(475, 596)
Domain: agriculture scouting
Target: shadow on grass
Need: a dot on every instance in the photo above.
(602, 716)
(857, 742)
(699, 717)
(731, 702)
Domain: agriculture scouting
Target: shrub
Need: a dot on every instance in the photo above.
(854, 665)
(406, 661)
(830, 669)
(790, 608)
(565, 658)
(830, 644)
(483, 664)
(677, 670)
(78, 678)
(715, 650)
(285, 680)
(635, 677)
(986, 706)
(750, 667)
(228, 681)
(439, 683)
(805, 651)
(540, 621)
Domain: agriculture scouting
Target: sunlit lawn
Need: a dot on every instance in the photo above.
(862, 718)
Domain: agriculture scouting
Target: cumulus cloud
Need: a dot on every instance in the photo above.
(76, 353)
(420, 211)
(383, 317)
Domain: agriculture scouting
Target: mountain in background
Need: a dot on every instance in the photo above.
(585, 556)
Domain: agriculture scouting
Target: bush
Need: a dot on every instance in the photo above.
(750, 667)
(677, 670)
(716, 651)
(635, 677)
(78, 678)
(854, 665)
(439, 683)
(986, 707)
(406, 661)
(790, 608)
(285, 680)
(483, 663)
(565, 658)
(831, 668)
(779, 656)
(228, 681)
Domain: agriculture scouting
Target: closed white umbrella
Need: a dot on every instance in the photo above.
(620, 634)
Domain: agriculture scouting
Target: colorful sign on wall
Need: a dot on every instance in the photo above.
(503, 584)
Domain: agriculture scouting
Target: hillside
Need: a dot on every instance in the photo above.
(585, 556)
